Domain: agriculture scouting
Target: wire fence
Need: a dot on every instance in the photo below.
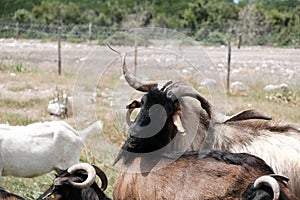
(73, 33)
(88, 32)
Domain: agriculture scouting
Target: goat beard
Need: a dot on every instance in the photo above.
(127, 157)
(148, 160)
(119, 157)
(125, 154)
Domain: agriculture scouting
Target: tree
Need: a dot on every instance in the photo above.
(195, 15)
(47, 12)
(102, 20)
(22, 16)
(70, 13)
(253, 24)
(117, 13)
(210, 20)
(54, 11)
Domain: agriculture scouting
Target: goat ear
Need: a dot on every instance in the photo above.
(177, 121)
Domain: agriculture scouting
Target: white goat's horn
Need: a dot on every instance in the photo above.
(90, 172)
(271, 182)
(282, 178)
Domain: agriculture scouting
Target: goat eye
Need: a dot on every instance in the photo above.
(134, 104)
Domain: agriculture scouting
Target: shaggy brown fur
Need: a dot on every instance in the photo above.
(217, 175)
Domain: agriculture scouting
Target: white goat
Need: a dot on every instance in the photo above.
(38, 148)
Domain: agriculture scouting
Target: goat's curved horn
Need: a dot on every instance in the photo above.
(271, 182)
(90, 171)
(187, 90)
(102, 177)
(133, 81)
(128, 113)
(281, 178)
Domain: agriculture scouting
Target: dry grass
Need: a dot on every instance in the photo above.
(274, 104)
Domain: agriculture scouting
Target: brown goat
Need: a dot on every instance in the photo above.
(206, 175)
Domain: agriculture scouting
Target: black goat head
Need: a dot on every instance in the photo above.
(159, 118)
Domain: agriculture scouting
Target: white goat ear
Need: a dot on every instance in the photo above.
(177, 121)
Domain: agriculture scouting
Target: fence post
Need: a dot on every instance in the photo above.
(135, 52)
(228, 67)
(90, 32)
(59, 47)
(240, 40)
(17, 30)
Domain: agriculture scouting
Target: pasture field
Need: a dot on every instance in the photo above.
(29, 79)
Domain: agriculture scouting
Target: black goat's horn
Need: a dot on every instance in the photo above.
(182, 90)
(89, 180)
(102, 176)
(133, 81)
(271, 182)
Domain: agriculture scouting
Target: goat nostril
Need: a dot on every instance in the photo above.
(132, 142)
(132, 145)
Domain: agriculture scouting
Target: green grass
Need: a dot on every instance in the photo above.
(29, 188)
(12, 103)
(17, 67)
(14, 118)
(20, 88)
